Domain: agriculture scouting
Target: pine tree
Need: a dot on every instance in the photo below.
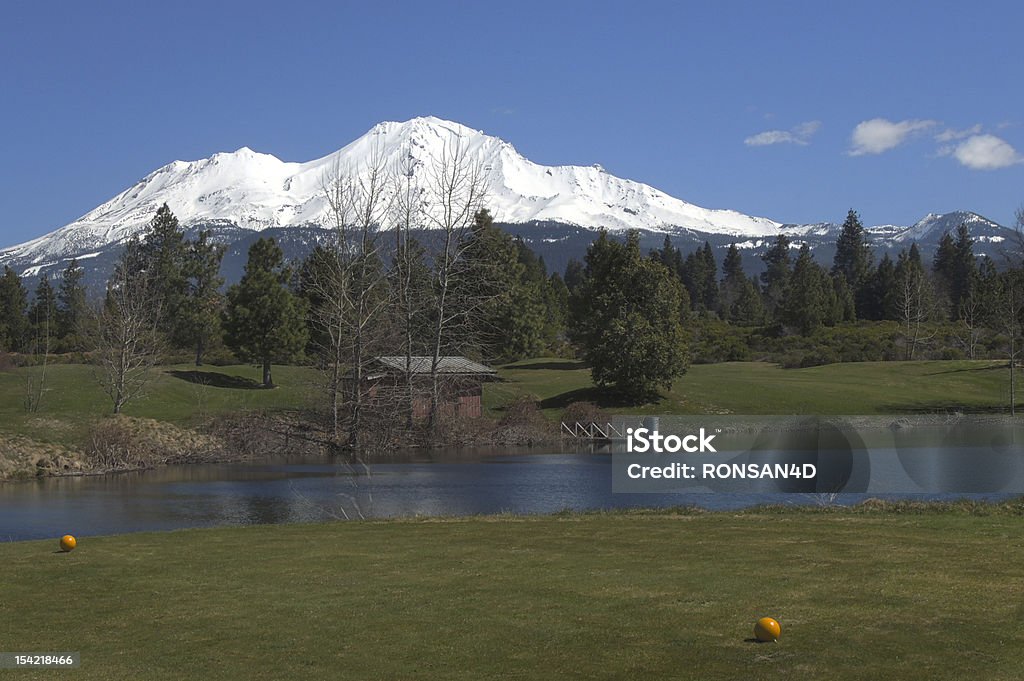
(775, 278)
(944, 266)
(13, 319)
(965, 270)
(710, 270)
(557, 304)
(498, 293)
(624, 318)
(72, 308)
(198, 322)
(734, 283)
(883, 290)
(573, 274)
(853, 262)
(162, 254)
(43, 315)
(264, 321)
(670, 257)
(807, 304)
(699, 274)
(748, 310)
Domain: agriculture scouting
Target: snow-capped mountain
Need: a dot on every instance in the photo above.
(257, 191)
(242, 194)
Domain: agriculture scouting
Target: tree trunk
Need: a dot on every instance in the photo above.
(199, 352)
(267, 380)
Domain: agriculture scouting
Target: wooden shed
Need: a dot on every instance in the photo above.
(461, 382)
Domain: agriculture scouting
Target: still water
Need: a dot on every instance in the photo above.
(449, 484)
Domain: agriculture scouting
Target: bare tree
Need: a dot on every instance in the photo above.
(1009, 311)
(915, 302)
(123, 333)
(349, 283)
(35, 386)
(410, 277)
(454, 194)
(971, 322)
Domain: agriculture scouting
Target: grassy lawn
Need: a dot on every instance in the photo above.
(185, 396)
(761, 388)
(180, 394)
(655, 596)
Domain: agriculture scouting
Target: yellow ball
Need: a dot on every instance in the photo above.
(767, 629)
(67, 543)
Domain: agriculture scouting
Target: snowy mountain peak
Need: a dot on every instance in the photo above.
(254, 190)
(934, 225)
(249, 190)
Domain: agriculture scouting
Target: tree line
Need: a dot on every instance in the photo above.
(417, 268)
(411, 265)
(637, 321)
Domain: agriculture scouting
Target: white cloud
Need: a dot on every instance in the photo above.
(800, 134)
(984, 152)
(949, 134)
(879, 135)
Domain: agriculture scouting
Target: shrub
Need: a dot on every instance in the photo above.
(584, 412)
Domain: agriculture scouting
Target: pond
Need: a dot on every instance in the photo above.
(447, 483)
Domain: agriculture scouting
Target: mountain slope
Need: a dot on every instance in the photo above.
(255, 191)
(243, 193)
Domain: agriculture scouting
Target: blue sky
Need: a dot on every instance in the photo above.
(788, 110)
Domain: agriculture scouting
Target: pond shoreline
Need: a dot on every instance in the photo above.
(125, 444)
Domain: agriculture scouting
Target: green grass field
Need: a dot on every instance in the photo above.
(761, 388)
(185, 396)
(869, 595)
(180, 394)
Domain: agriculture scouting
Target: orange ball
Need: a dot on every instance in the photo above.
(68, 543)
(767, 629)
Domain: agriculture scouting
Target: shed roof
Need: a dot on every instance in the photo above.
(446, 365)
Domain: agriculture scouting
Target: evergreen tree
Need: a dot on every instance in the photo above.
(699, 274)
(624, 318)
(43, 315)
(670, 257)
(72, 306)
(500, 293)
(710, 270)
(557, 304)
(807, 303)
(693, 278)
(775, 278)
(748, 310)
(734, 283)
(965, 270)
(535, 297)
(944, 267)
(853, 262)
(162, 253)
(410, 283)
(842, 307)
(573, 274)
(883, 290)
(264, 320)
(13, 319)
(198, 322)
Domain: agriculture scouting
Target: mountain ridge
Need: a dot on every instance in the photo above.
(255, 191)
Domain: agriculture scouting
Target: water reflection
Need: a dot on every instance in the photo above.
(445, 483)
